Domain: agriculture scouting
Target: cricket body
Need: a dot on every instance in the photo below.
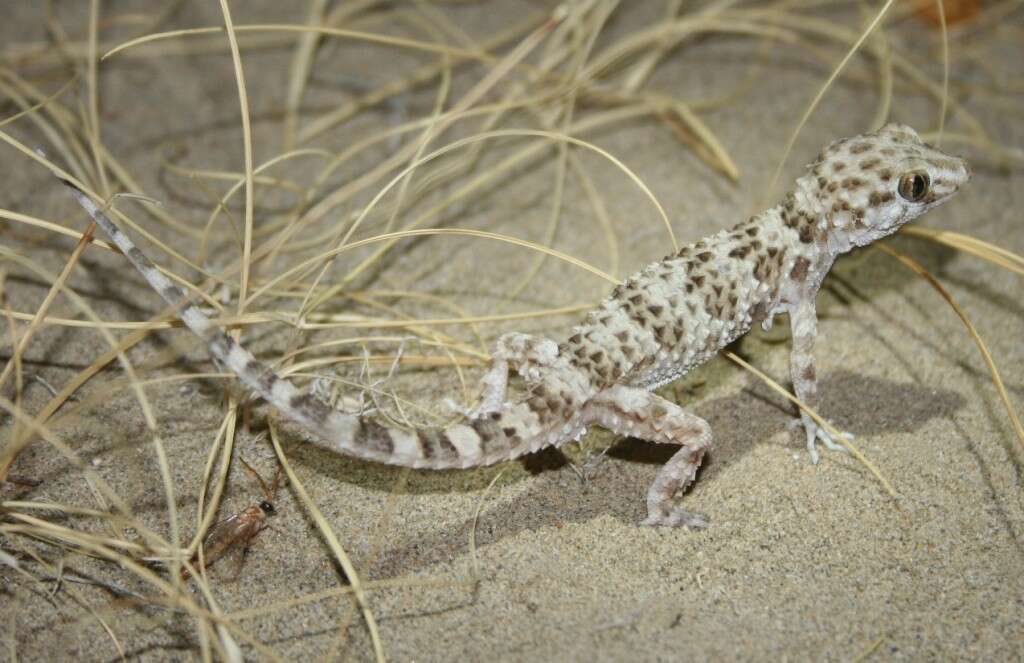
(238, 529)
(663, 321)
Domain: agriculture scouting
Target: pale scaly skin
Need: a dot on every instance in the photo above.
(663, 321)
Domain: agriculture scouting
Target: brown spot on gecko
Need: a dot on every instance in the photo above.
(311, 405)
(800, 268)
(876, 198)
(661, 333)
(445, 443)
(261, 374)
(759, 312)
(372, 435)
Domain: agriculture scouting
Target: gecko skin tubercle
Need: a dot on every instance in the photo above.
(660, 323)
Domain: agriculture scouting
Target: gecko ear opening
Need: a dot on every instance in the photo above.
(914, 186)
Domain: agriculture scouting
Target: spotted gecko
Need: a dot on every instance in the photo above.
(660, 323)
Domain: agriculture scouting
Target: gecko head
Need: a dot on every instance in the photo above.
(868, 186)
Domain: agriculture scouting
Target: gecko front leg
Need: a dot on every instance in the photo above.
(638, 413)
(803, 321)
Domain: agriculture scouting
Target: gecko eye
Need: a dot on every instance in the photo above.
(914, 186)
(266, 507)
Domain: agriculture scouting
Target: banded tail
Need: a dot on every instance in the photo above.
(486, 440)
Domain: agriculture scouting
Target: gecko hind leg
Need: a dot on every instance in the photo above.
(528, 355)
(638, 413)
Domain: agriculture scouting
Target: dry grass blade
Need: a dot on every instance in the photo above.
(435, 131)
(836, 435)
(500, 70)
(498, 134)
(996, 255)
(41, 103)
(40, 314)
(34, 425)
(312, 262)
(682, 120)
(811, 107)
(95, 140)
(301, 65)
(243, 102)
(474, 561)
(332, 542)
(940, 7)
(305, 29)
(916, 267)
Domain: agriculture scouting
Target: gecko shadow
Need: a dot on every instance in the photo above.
(740, 422)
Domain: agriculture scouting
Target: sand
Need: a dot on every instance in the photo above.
(800, 561)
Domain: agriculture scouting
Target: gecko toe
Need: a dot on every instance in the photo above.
(816, 434)
(676, 517)
(831, 444)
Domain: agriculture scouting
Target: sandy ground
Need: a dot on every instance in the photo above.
(800, 562)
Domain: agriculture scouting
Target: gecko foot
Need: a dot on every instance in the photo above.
(816, 433)
(676, 517)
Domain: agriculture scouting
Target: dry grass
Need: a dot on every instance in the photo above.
(528, 96)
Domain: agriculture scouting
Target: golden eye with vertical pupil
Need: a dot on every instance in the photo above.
(914, 186)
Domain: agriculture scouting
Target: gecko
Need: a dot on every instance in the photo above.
(657, 325)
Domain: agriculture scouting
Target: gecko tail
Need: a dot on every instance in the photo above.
(476, 442)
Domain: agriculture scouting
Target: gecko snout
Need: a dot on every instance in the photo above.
(968, 173)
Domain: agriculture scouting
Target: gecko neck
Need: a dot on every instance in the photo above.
(831, 238)
(808, 204)
(806, 220)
